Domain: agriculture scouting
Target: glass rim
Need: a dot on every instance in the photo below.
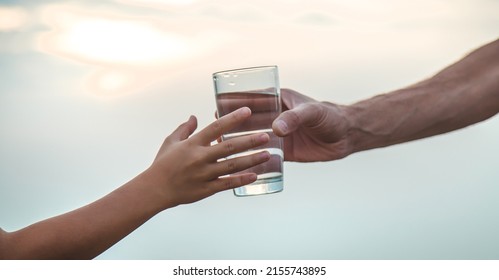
(245, 69)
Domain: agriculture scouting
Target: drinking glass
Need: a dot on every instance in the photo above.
(258, 89)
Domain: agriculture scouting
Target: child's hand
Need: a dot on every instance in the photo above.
(187, 169)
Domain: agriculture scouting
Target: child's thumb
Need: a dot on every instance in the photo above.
(184, 130)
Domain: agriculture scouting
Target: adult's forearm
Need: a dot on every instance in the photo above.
(464, 93)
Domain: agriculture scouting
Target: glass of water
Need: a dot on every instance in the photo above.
(258, 89)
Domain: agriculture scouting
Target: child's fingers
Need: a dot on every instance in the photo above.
(238, 164)
(184, 130)
(230, 182)
(219, 139)
(237, 145)
(221, 126)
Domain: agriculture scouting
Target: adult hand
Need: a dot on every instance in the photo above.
(460, 95)
(312, 130)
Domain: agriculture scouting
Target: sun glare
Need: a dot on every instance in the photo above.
(112, 81)
(121, 47)
(12, 18)
(120, 42)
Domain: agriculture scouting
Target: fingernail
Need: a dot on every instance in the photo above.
(252, 177)
(282, 126)
(265, 156)
(264, 138)
(245, 111)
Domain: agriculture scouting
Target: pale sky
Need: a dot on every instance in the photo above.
(89, 90)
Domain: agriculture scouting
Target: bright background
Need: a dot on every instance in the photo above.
(89, 90)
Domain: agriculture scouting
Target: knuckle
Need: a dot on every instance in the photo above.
(228, 184)
(197, 158)
(229, 147)
(255, 159)
(231, 166)
(218, 127)
(310, 115)
(255, 140)
(201, 175)
(314, 106)
(293, 118)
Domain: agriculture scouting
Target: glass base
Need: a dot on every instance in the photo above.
(262, 186)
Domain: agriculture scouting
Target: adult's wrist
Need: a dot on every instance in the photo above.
(340, 132)
(363, 131)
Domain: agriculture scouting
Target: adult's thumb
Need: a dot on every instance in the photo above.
(291, 120)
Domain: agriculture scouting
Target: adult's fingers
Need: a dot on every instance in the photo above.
(257, 121)
(230, 182)
(237, 145)
(262, 102)
(221, 126)
(238, 164)
(292, 99)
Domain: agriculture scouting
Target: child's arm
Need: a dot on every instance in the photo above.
(184, 171)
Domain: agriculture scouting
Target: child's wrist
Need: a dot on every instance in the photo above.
(153, 185)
